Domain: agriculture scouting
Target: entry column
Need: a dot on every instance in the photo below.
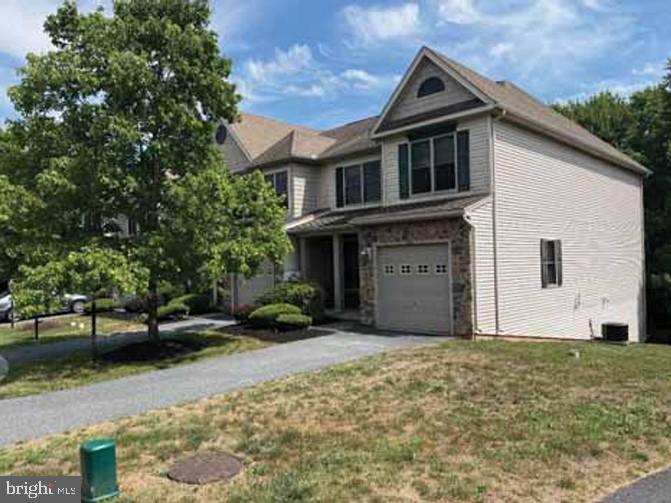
(337, 273)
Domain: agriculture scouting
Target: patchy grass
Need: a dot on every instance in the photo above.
(60, 328)
(80, 369)
(481, 422)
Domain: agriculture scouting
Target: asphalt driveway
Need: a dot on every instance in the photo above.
(39, 415)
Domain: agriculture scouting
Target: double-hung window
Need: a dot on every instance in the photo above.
(280, 182)
(551, 263)
(358, 184)
(435, 164)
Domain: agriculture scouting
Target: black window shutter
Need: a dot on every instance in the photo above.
(372, 182)
(544, 259)
(403, 171)
(558, 260)
(464, 163)
(340, 193)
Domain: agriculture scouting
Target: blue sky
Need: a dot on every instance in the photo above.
(323, 63)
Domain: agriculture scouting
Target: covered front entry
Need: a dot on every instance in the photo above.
(332, 261)
(413, 288)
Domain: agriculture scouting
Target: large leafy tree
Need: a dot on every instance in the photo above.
(641, 126)
(119, 119)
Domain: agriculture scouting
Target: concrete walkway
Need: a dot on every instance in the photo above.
(655, 488)
(49, 350)
(40, 415)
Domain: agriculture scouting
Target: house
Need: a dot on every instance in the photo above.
(466, 207)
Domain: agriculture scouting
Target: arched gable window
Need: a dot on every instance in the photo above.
(221, 135)
(431, 85)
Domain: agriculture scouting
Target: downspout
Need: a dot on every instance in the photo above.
(474, 296)
(492, 167)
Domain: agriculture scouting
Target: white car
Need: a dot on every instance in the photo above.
(71, 304)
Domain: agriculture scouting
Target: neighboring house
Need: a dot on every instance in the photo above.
(466, 207)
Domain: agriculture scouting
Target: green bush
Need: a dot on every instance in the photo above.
(172, 310)
(102, 306)
(197, 304)
(168, 291)
(293, 321)
(306, 296)
(134, 304)
(266, 316)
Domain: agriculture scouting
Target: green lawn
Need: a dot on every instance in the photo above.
(80, 369)
(484, 421)
(61, 328)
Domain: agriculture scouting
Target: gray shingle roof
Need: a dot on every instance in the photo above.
(350, 219)
(270, 141)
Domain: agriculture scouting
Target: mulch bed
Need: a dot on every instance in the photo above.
(271, 336)
(148, 351)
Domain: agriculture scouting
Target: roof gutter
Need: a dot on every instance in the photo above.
(407, 218)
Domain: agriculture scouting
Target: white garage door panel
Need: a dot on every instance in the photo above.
(414, 288)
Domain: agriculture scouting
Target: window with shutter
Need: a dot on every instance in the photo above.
(435, 163)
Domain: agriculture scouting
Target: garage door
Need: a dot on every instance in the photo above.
(414, 288)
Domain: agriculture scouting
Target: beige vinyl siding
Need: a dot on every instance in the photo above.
(327, 187)
(480, 217)
(305, 185)
(235, 158)
(408, 104)
(546, 190)
(480, 177)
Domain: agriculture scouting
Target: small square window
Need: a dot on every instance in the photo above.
(389, 270)
(423, 269)
(406, 269)
(441, 268)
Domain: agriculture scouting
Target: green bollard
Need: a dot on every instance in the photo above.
(98, 464)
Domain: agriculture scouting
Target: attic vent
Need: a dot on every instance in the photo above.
(221, 135)
(432, 85)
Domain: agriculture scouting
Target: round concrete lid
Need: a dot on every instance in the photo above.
(205, 468)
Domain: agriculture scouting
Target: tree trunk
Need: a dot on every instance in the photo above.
(94, 331)
(37, 328)
(152, 314)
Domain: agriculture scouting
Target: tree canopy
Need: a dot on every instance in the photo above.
(119, 119)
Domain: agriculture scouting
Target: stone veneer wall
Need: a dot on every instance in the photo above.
(455, 229)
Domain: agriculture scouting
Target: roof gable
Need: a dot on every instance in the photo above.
(405, 108)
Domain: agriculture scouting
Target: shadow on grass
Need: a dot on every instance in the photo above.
(81, 369)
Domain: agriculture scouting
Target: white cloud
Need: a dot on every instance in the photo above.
(458, 11)
(501, 49)
(296, 59)
(650, 69)
(374, 24)
(296, 72)
(622, 88)
(546, 42)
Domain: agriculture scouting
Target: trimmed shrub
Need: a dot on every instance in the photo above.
(134, 304)
(102, 306)
(306, 296)
(293, 321)
(197, 304)
(168, 291)
(172, 310)
(241, 313)
(266, 316)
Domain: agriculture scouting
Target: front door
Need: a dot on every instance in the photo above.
(350, 253)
